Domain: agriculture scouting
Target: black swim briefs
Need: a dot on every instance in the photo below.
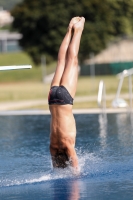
(59, 95)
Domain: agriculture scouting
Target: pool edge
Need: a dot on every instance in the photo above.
(75, 111)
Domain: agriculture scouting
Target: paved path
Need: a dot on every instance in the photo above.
(40, 102)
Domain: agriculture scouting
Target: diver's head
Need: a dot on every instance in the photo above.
(60, 160)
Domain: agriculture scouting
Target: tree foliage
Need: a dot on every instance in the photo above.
(43, 24)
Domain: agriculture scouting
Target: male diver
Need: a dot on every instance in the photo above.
(61, 96)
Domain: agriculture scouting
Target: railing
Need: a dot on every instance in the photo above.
(121, 76)
(13, 67)
(101, 99)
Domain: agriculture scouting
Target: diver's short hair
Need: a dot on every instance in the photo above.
(60, 160)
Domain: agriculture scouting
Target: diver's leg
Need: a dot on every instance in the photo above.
(62, 53)
(70, 74)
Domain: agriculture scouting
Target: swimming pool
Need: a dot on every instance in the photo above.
(104, 148)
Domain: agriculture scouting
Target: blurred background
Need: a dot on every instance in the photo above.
(31, 33)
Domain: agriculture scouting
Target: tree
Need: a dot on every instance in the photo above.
(43, 24)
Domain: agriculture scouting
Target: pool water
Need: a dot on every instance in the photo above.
(105, 151)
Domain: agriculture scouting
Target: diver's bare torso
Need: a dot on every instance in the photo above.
(62, 127)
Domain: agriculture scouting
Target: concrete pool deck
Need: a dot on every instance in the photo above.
(75, 111)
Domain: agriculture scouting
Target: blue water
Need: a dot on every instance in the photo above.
(104, 148)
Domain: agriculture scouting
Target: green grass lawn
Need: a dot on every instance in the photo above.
(21, 58)
(17, 85)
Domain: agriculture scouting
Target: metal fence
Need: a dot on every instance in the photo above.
(106, 69)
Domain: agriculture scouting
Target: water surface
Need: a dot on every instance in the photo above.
(104, 149)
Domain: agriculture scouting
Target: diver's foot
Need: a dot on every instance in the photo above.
(73, 21)
(80, 24)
